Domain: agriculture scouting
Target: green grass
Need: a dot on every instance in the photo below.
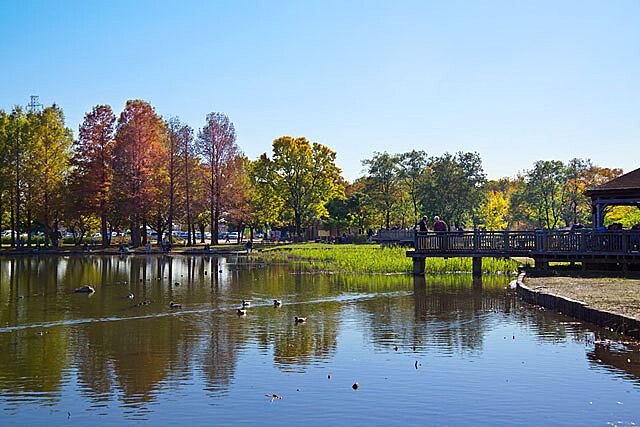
(373, 259)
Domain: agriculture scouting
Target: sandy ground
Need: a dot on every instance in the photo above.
(616, 295)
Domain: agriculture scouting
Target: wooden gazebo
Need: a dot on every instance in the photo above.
(622, 191)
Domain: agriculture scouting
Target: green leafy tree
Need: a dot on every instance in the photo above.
(412, 170)
(541, 200)
(5, 169)
(16, 131)
(49, 164)
(383, 183)
(265, 201)
(453, 188)
(305, 178)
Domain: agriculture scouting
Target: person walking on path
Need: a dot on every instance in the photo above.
(439, 225)
(422, 225)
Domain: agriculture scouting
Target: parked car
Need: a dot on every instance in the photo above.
(233, 235)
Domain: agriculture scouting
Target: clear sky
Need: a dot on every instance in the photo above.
(516, 81)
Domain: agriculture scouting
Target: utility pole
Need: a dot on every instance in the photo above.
(34, 103)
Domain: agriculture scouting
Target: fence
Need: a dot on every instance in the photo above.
(525, 242)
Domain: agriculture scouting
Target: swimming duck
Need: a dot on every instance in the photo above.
(84, 290)
(246, 303)
(277, 303)
(300, 319)
(130, 296)
(174, 305)
(242, 312)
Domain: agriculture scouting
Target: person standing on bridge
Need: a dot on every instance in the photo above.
(422, 225)
(439, 225)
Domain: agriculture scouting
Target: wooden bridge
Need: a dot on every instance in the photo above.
(395, 237)
(592, 248)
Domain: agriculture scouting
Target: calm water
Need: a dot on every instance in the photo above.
(480, 356)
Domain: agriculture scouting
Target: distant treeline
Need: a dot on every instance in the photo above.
(400, 188)
(139, 171)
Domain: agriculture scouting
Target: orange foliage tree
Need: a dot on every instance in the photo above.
(138, 156)
(93, 161)
(217, 146)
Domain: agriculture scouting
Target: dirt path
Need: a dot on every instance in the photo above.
(616, 295)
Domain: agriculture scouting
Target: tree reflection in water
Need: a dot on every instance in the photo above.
(106, 349)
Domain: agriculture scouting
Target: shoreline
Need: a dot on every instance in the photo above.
(610, 319)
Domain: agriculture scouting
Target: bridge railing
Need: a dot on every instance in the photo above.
(395, 235)
(524, 242)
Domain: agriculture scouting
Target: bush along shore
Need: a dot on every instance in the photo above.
(370, 259)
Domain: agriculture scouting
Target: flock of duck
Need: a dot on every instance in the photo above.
(242, 311)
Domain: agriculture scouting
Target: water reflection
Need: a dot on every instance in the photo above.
(105, 348)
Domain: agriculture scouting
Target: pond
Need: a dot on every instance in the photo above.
(434, 350)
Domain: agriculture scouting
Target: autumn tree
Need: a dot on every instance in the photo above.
(174, 145)
(188, 164)
(199, 199)
(93, 162)
(218, 149)
(241, 211)
(579, 205)
(139, 134)
(305, 178)
(494, 212)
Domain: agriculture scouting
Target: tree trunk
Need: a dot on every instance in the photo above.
(103, 229)
(297, 223)
(28, 227)
(144, 232)
(17, 200)
(135, 234)
(202, 228)
(13, 228)
(189, 225)
(215, 229)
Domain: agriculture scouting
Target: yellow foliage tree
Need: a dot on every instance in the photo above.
(494, 212)
(628, 216)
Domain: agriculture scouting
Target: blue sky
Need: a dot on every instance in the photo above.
(516, 81)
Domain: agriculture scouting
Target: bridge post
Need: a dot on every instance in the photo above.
(477, 266)
(418, 265)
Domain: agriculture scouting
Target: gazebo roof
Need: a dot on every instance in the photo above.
(628, 181)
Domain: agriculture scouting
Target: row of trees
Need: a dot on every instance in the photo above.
(398, 189)
(139, 171)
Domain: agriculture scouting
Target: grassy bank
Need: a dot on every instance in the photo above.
(373, 259)
(616, 295)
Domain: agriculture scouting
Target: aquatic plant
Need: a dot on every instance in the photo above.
(373, 259)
